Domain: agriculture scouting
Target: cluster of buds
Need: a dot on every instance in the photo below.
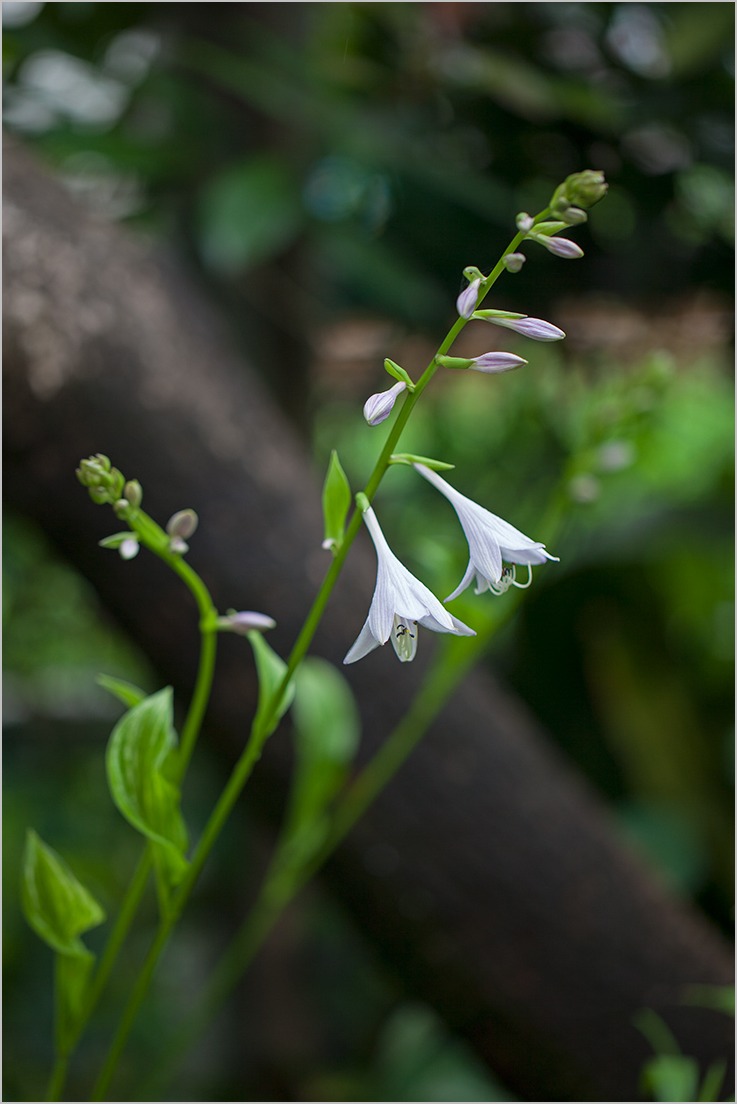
(576, 194)
(568, 206)
(104, 482)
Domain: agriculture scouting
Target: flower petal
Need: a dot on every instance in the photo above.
(364, 643)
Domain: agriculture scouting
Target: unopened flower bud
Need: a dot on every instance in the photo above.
(99, 495)
(116, 482)
(524, 221)
(536, 328)
(378, 407)
(245, 621)
(574, 216)
(133, 492)
(182, 524)
(92, 470)
(561, 247)
(513, 261)
(469, 297)
(496, 362)
(176, 544)
(122, 507)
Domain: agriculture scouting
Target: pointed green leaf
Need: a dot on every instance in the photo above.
(140, 745)
(115, 540)
(125, 692)
(336, 501)
(327, 732)
(271, 669)
(55, 903)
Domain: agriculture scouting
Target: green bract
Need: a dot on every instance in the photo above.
(271, 670)
(55, 903)
(336, 501)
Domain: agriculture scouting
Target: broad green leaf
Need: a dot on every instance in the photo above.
(140, 745)
(55, 903)
(336, 501)
(671, 1077)
(327, 732)
(248, 213)
(125, 692)
(271, 670)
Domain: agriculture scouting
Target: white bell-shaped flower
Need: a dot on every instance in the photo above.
(400, 604)
(491, 541)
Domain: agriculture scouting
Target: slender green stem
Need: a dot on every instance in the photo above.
(259, 734)
(153, 536)
(58, 1077)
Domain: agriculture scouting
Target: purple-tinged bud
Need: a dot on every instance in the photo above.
(378, 407)
(129, 547)
(513, 261)
(467, 300)
(244, 622)
(561, 247)
(496, 362)
(524, 221)
(182, 524)
(536, 328)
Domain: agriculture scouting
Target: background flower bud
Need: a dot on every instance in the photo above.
(182, 524)
(513, 261)
(245, 621)
(133, 492)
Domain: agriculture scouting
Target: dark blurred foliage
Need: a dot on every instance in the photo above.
(328, 170)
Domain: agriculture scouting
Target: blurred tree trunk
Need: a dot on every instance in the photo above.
(487, 873)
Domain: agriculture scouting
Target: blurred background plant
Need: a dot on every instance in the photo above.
(328, 170)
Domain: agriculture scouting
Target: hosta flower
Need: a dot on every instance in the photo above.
(536, 328)
(491, 541)
(401, 603)
(378, 407)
